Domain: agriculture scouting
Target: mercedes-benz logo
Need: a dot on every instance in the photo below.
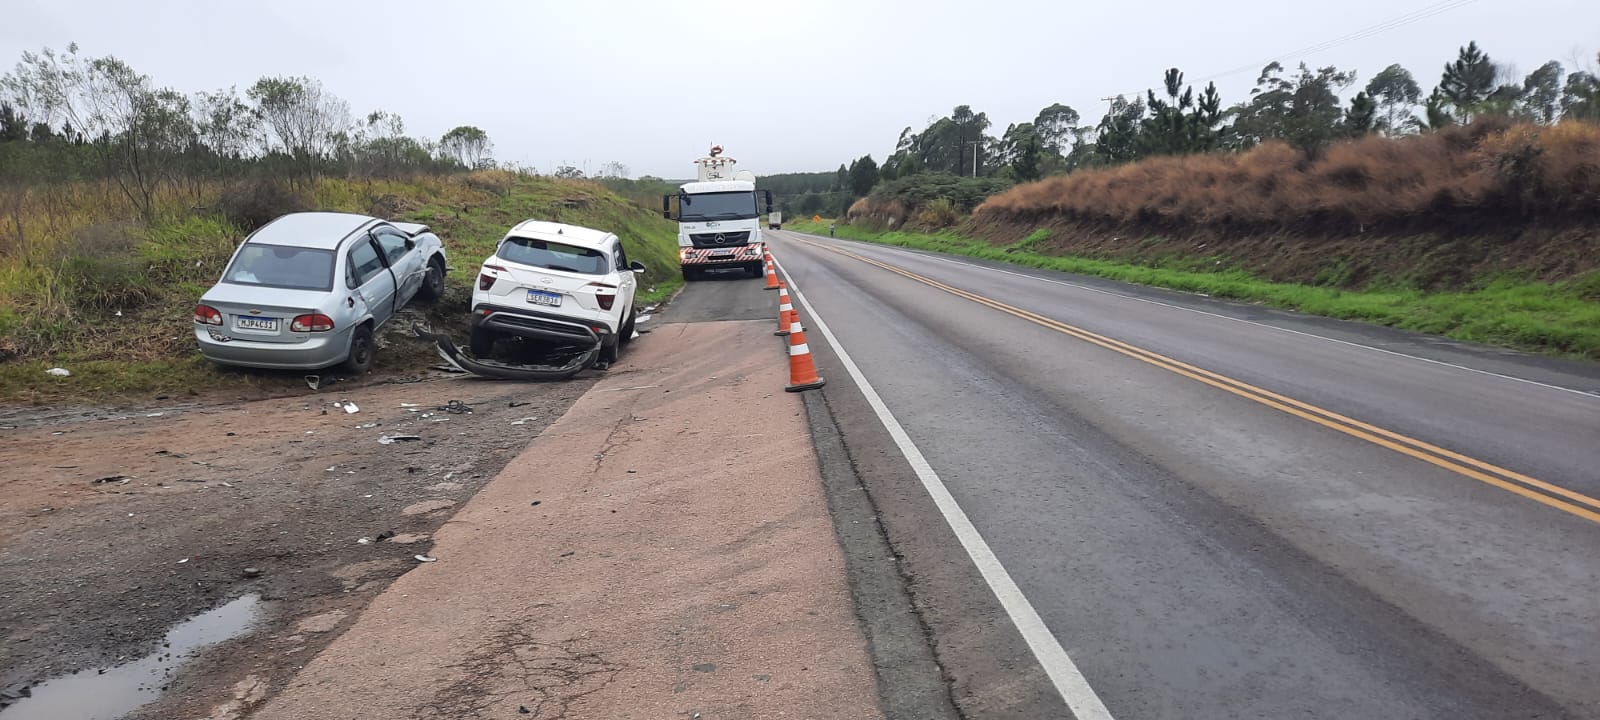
(720, 239)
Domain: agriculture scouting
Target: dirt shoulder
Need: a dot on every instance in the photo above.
(190, 495)
(663, 550)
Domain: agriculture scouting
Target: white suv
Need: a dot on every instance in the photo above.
(554, 282)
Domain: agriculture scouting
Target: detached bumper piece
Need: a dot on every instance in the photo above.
(506, 371)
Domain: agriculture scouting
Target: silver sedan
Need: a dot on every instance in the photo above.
(309, 290)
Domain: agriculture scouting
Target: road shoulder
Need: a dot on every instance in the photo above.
(662, 550)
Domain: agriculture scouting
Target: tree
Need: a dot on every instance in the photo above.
(1303, 111)
(1360, 119)
(841, 179)
(302, 121)
(1541, 94)
(1205, 134)
(1437, 111)
(1396, 93)
(1580, 97)
(569, 172)
(1053, 127)
(614, 169)
(1117, 136)
(969, 131)
(863, 175)
(13, 126)
(1166, 131)
(468, 145)
(1468, 81)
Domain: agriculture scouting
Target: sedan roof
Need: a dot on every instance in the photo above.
(562, 233)
(320, 230)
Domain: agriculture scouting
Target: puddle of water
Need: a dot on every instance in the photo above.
(110, 693)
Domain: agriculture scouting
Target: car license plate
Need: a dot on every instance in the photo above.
(539, 297)
(722, 251)
(253, 323)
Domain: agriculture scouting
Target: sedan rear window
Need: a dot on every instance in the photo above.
(281, 266)
(554, 256)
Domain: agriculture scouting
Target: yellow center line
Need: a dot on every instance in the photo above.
(1455, 462)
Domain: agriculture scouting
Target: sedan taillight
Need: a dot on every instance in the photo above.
(207, 315)
(315, 322)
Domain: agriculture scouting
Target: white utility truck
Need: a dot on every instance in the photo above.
(775, 220)
(719, 225)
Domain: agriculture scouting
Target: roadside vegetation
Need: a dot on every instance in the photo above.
(1559, 318)
(1467, 210)
(120, 203)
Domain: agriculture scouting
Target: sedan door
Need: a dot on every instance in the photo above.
(404, 259)
(369, 279)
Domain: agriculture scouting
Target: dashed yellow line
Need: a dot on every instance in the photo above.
(1555, 496)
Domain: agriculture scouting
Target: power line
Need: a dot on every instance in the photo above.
(1414, 16)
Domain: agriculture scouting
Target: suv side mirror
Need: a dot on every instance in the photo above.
(636, 266)
(411, 244)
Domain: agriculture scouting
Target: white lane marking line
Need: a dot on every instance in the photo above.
(1063, 672)
(1583, 393)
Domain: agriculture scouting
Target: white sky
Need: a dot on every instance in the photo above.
(784, 86)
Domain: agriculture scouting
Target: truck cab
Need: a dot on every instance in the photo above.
(719, 223)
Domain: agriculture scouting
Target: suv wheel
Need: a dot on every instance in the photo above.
(626, 335)
(482, 343)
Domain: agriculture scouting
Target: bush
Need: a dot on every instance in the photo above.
(100, 269)
(251, 205)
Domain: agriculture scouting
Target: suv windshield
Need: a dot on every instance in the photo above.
(739, 205)
(281, 266)
(554, 256)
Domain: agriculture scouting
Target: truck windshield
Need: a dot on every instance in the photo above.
(717, 206)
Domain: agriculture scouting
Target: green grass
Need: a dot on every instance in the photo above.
(1554, 318)
(57, 311)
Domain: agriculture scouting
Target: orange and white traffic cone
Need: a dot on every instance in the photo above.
(772, 274)
(785, 310)
(802, 370)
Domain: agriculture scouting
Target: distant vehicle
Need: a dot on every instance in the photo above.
(775, 220)
(556, 282)
(309, 290)
(719, 226)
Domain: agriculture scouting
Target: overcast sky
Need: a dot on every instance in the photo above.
(785, 86)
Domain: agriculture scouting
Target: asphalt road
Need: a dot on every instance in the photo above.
(1210, 510)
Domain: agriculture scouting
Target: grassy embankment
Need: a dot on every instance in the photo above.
(90, 287)
(1482, 233)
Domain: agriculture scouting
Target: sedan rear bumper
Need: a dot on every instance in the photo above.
(315, 353)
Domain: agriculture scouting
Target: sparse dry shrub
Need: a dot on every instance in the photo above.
(250, 205)
(497, 182)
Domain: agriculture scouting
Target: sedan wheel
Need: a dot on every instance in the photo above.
(433, 282)
(361, 350)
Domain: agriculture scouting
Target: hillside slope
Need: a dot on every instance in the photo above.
(86, 285)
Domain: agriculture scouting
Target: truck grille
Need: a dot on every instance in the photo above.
(720, 239)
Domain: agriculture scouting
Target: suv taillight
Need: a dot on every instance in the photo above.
(207, 315)
(315, 322)
(604, 294)
(485, 280)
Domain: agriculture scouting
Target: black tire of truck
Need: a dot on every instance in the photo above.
(755, 269)
(690, 274)
(482, 343)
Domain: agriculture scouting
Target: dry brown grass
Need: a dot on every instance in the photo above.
(1492, 171)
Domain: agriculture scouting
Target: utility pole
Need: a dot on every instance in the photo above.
(974, 144)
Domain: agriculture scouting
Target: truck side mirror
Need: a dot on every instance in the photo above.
(666, 206)
(769, 199)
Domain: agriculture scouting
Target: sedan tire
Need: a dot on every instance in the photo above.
(362, 348)
(433, 282)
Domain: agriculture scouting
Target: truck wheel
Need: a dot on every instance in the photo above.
(482, 343)
(359, 361)
(756, 270)
(691, 274)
